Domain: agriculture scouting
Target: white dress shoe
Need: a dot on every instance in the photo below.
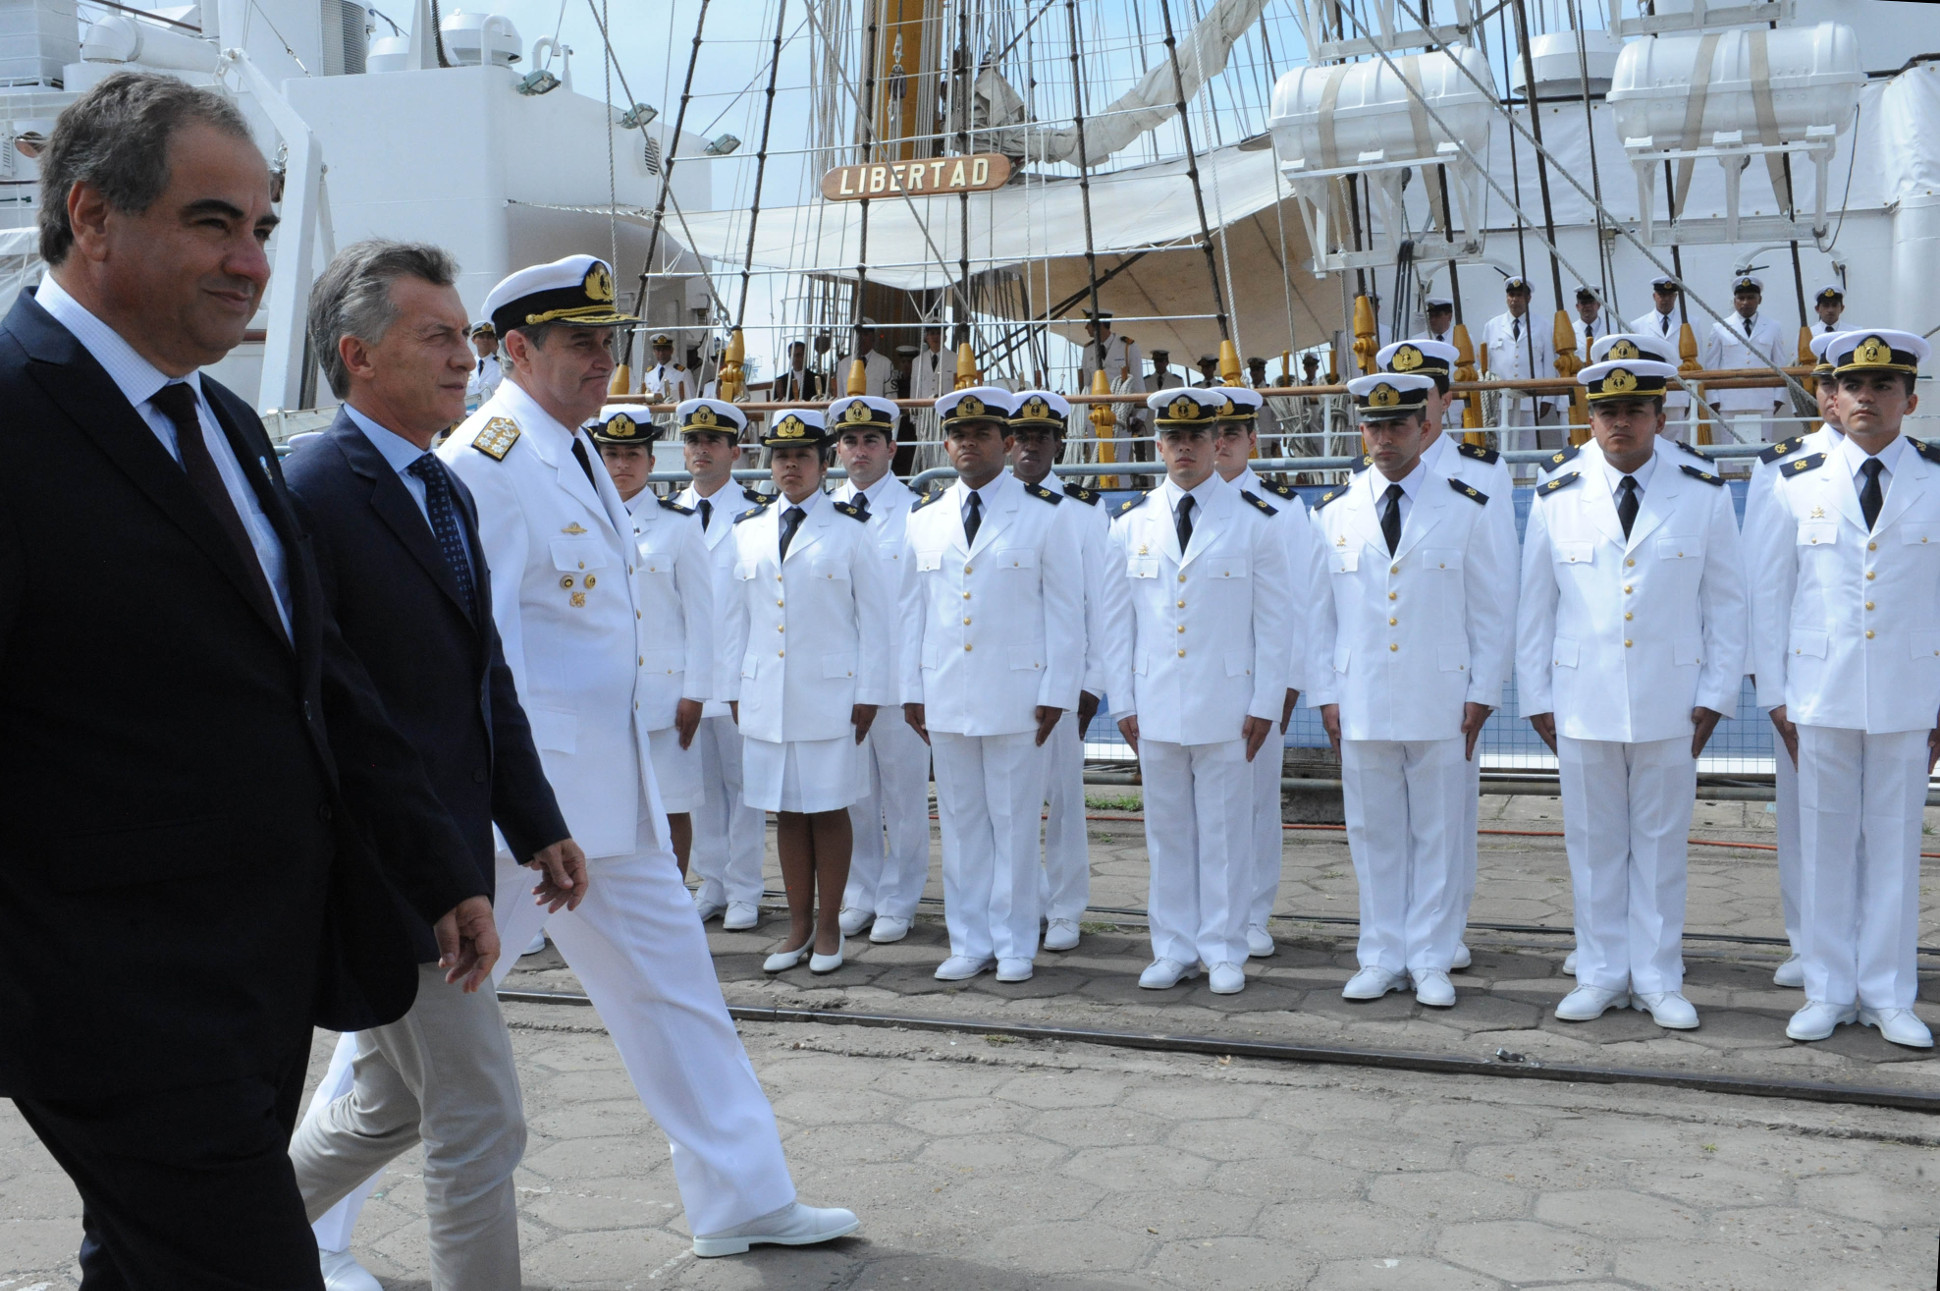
(1372, 983)
(1226, 979)
(740, 916)
(1164, 974)
(1816, 1020)
(1433, 989)
(1667, 1009)
(961, 968)
(1588, 1003)
(792, 1225)
(342, 1272)
(1790, 973)
(1259, 942)
(1462, 958)
(887, 929)
(783, 960)
(538, 944)
(1898, 1025)
(1061, 934)
(1014, 970)
(826, 963)
(707, 908)
(1569, 964)
(854, 919)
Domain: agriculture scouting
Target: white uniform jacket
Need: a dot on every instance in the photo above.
(673, 580)
(1484, 468)
(1651, 323)
(561, 555)
(1296, 532)
(932, 373)
(991, 629)
(1084, 509)
(1402, 641)
(887, 509)
(1198, 641)
(1125, 365)
(668, 382)
(1532, 355)
(728, 502)
(1621, 638)
(1846, 623)
(1726, 346)
(818, 618)
(1587, 332)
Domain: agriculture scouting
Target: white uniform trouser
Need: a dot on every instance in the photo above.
(1199, 836)
(730, 837)
(1268, 847)
(891, 821)
(1404, 808)
(1862, 801)
(1785, 811)
(638, 949)
(989, 796)
(1626, 824)
(1064, 885)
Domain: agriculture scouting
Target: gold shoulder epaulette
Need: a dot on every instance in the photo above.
(1469, 491)
(751, 513)
(495, 440)
(669, 504)
(1782, 448)
(1259, 502)
(1925, 449)
(1561, 456)
(1560, 482)
(1087, 496)
(1479, 452)
(1696, 474)
(1804, 464)
(1043, 494)
(851, 510)
(1329, 496)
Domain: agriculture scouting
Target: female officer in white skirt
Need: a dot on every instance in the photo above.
(809, 616)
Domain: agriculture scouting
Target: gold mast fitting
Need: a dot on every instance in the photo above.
(1568, 365)
(967, 374)
(1366, 338)
(1103, 426)
(1228, 364)
(733, 377)
(858, 378)
(1687, 351)
(1465, 371)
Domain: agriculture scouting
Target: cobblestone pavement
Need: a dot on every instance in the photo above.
(982, 1162)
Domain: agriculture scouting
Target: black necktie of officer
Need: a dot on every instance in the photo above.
(1748, 327)
(972, 517)
(1391, 517)
(1515, 328)
(1666, 320)
(1870, 497)
(861, 503)
(707, 513)
(585, 463)
(1627, 503)
(177, 402)
(445, 527)
(1184, 523)
(791, 520)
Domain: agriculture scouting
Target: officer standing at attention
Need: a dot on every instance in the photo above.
(1630, 649)
(1407, 638)
(1521, 347)
(805, 700)
(879, 372)
(1846, 646)
(1744, 340)
(1234, 439)
(666, 381)
(992, 655)
(625, 438)
(730, 837)
(891, 861)
(487, 373)
(1199, 642)
(1663, 326)
(1064, 890)
(559, 543)
(1829, 304)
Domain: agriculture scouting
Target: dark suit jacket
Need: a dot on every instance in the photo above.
(183, 891)
(787, 387)
(442, 676)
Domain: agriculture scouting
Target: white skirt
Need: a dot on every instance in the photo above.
(801, 775)
(676, 770)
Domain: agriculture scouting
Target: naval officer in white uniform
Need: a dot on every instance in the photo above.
(891, 860)
(666, 381)
(1663, 326)
(487, 372)
(1521, 346)
(1846, 646)
(1409, 633)
(1630, 649)
(1747, 339)
(1199, 640)
(730, 837)
(560, 546)
(992, 655)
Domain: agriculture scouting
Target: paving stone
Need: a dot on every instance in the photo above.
(1619, 1214)
(1520, 1251)
(1406, 1273)
(1231, 1264)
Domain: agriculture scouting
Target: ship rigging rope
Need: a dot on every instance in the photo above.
(671, 155)
(761, 158)
(1192, 171)
(600, 16)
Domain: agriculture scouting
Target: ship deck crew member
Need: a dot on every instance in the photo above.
(1234, 441)
(1199, 641)
(1846, 647)
(796, 383)
(879, 371)
(1064, 888)
(730, 837)
(1441, 327)
(1448, 456)
(1522, 347)
(666, 381)
(1747, 340)
(1663, 325)
(1589, 322)
(559, 545)
(932, 374)
(890, 862)
(1630, 650)
(674, 586)
(808, 617)
(1407, 636)
(1828, 306)
(1123, 364)
(487, 372)
(992, 655)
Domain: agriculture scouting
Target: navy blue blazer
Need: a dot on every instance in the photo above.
(442, 676)
(202, 820)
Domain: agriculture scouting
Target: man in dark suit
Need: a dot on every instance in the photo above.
(204, 811)
(797, 383)
(403, 574)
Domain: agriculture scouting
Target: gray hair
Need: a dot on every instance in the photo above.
(352, 296)
(115, 137)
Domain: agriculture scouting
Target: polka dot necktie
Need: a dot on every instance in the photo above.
(445, 528)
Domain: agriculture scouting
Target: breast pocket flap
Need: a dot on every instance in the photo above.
(1810, 644)
(578, 553)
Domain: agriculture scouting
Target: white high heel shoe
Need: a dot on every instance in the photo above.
(827, 963)
(783, 960)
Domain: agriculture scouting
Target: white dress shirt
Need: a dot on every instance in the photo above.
(1852, 457)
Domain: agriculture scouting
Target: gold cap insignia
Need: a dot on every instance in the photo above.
(1625, 350)
(702, 416)
(1383, 396)
(1183, 407)
(791, 428)
(971, 406)
(1037, 408)
(1872, 351)
(621, 426)
(599, 284)
(1619, 381)
(856, 412)
(1406, 359)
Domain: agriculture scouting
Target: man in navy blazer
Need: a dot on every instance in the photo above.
(403, 573)
(204, 812)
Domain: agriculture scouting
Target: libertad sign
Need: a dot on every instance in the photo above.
(977, 173)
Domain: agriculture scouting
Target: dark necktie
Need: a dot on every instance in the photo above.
(1184, 523)
(585, 463)
(1627, 503)
(1391, 517)
(1747, 327)
(1515, 329)
(1666, 320)
(791, 520)
(177, 402)
(1870, 497)
(707, 513)
(445, 527)
(972, 517)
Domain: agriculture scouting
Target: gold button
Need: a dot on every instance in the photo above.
(1870, 575)
(1626, 643)
(778, 605)
(777, 578)
(1391, 620)
(1182, 578)
(592, 580)
(643, 661)
(582, 564)
(1182, 605)
(567, 581)
(966, 596)
(1627, 563)
(781, 654)
(1182, 654)
(966, 620)
(781, 627)
(966, 569)
(1869, 605)
(1394, 569)
(1626, 589)
(1392, 645)
(1872, 546)
(1627, 616)
(1869, 634)
(1390, 595)
(636, 614)
(966, 647)
(1180, 628)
